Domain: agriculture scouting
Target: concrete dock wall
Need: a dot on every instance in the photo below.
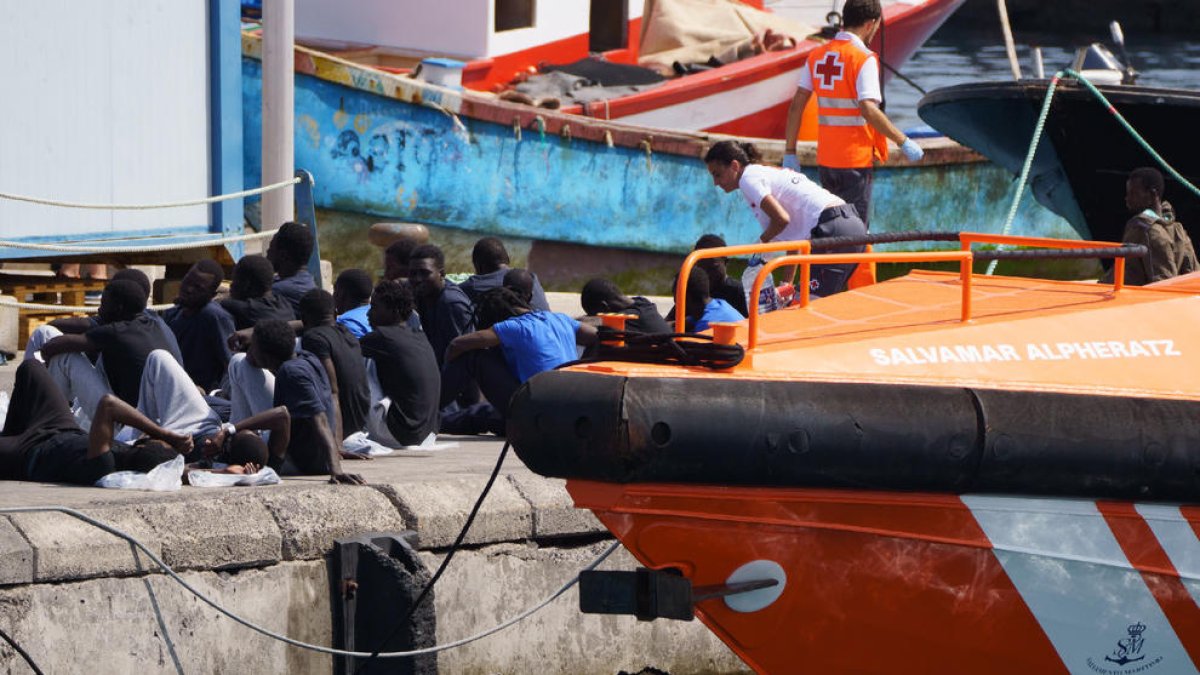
(77, 598)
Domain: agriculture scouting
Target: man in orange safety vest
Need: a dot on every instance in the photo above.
(852, 130)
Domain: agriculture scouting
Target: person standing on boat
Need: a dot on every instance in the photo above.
(852, 129)
(1153, 225)
(789, 206)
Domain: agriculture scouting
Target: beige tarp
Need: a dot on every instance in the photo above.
(692, 31)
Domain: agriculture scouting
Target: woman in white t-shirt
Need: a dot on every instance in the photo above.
(789, 206)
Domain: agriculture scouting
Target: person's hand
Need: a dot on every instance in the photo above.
(181, 442)
(247, 469)
(911, 150)
(790, 161)
(239, 340)
(354, 455)
(346, 479)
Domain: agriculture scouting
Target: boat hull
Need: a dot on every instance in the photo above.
(1080, 168)
(921, 582)
(401, 150)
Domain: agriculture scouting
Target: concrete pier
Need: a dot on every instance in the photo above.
(77, 598)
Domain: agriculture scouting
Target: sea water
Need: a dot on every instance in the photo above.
(958, 57)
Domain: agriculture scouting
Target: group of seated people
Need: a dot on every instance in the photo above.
(278, 373)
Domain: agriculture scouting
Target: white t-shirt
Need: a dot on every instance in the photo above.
(867, 84)
(803, 199)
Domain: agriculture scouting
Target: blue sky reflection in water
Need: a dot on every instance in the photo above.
(959, 58)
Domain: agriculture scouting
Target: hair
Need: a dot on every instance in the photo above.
(135, 275)
(144, 456)
(401, 249)
(698, 286)
(253, 274)
(294, 242)
(276, 338)
(498, 305)
(395, 296)
(726, 152)
(488, 255)
(1149, 178)
(355, 285)
(212, 268)
(127, 296)
(519, 281)
(316, 306)
(431, 252)
(247, 447)
(709, 241)
(858, 12)
(597, 291)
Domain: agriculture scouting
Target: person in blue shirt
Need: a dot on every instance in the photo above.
(702, 308)
(201, 326)
(514, 344)
(352, 296)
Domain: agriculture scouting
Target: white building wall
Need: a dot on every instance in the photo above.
(103, 101)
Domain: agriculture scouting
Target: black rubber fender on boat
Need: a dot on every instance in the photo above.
(710, 430)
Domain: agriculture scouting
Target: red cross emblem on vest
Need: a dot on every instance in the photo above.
(830, 70)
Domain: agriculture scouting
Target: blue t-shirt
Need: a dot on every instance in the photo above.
(356, 321)
(302, 385)
(537, 341)
(294, 287)
(717, 310)
(204, 340)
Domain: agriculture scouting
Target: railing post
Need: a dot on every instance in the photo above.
(306, 212)
(1118, 274)
(967, 272)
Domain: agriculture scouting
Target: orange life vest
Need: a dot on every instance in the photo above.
(844, 138)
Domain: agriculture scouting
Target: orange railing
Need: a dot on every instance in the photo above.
(805, 259)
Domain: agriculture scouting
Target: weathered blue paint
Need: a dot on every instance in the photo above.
(384, 156)
(225, 111)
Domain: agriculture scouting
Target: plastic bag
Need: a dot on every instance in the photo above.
(166, 477)
(359, 444)
(202, 478)
(768, 299)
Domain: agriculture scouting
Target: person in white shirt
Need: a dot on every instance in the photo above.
(789, 206)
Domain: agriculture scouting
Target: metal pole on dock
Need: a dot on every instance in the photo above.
(278, 97)
(1008, 39)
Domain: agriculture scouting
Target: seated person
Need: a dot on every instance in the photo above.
(601, 296)
(274, 373)
(42, 442)
(352, 295)
(401, 369)
(703, 309)
(521, 282)
(338, 351)
(445, 310)
(289, 251)
(250, 296)
(201, 325)
(528, 343)
(1153, 225)
(720, 284)
(124, 339)
(80, 325)
(490, 259)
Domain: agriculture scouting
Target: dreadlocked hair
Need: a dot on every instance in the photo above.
(498, 304)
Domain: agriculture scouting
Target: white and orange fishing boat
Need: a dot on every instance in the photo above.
(497, 42)
(939, 473)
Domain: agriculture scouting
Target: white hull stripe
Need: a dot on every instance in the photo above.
(1072, 574)
(1178, 539)
(726, 106)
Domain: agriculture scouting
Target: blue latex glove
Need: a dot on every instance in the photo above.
(790, 161)
(911, 150)
(755, 260)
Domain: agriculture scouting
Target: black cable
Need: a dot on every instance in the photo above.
(24, 654)
(696, 350)
(462, 534)
(902, 76)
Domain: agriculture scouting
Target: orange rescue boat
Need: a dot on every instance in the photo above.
(940, 473)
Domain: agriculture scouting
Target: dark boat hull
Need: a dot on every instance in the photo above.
(1081, 165)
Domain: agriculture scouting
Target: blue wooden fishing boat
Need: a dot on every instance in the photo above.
(401, 149)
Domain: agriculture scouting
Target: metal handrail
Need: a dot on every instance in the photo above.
(806, 258)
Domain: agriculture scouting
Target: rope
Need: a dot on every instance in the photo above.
(697, 351)
(1037, 136)
(43, 307)
(117, 532)
(141, 207)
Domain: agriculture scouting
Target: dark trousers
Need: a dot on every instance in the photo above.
(37, 412)
(836, 221)
(853, 186)
(490, 371)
